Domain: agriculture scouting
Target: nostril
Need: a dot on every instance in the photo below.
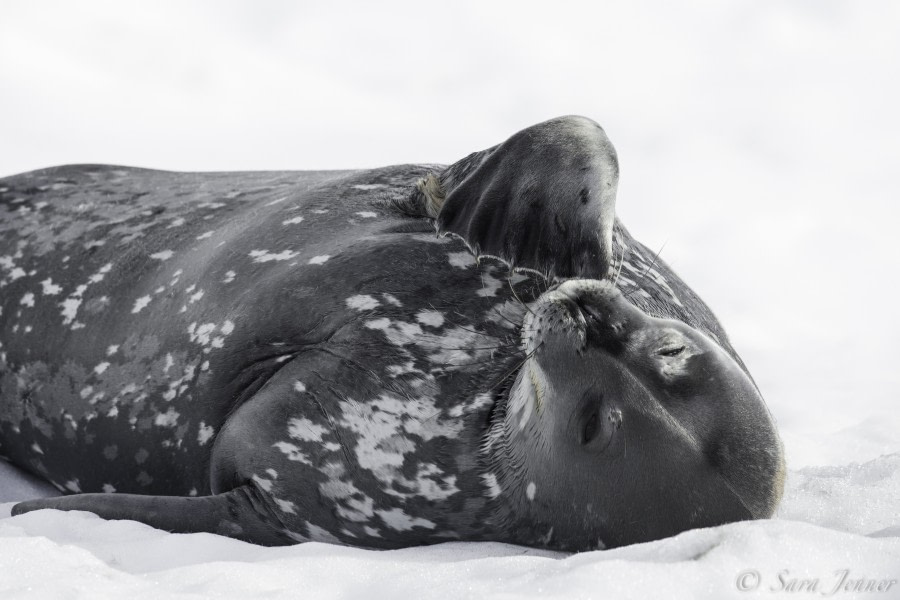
(589, 311)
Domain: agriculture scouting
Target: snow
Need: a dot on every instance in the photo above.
(757, 141)
(833, 519)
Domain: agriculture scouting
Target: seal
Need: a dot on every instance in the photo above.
(382, 358)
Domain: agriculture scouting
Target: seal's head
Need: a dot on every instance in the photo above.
(640, 427)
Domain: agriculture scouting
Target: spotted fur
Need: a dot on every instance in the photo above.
(284, 357)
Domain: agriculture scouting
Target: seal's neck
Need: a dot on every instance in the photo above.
(506, 473)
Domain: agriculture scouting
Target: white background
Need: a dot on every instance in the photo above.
(758, 141)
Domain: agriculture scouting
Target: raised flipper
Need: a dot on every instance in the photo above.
(542, 200)
(241, 513)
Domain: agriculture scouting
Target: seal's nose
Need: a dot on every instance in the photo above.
(603, 310)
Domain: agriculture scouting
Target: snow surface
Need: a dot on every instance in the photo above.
(833, 519)
(758, 144)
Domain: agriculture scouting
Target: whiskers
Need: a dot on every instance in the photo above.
(516, 296)
(516, 368)
(647, 270)
(625, 250)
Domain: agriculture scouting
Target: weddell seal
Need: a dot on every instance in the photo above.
(382, 358)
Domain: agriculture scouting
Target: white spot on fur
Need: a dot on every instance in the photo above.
(99, 275)
(70, 305)
(140, 304)
(202, 334)
(164, 255)
(429, 317)
(286, 506)
(263, 256)
(206, 235)
(299, 387)
(109, 488)
(70, 309)
(195, 297)
(490, 481)
(292, 452)
(319, 260)
(317, 534)
(530, 490)
(227, 327)
(27, 300)
(362, 302)
(490, 285)
(167, 419)
(523, 398)
(391, 300)
(112, 349)
(400, 521)
(383, 426)
(368, 186)
(229, 277)
(480, 401)
(263, 483)
(101, 368)
(50, 288)
(204, 433)
(367, 214)
(305, 430)
(461, 260)
(398, 333)
(292, 221)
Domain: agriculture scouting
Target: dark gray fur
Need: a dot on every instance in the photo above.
(292, 356)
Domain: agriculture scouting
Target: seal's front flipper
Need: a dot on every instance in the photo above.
(241, 513)
(543, 200)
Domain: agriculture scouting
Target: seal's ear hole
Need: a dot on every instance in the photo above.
(597, 422)
(590, 421)
(591, 428)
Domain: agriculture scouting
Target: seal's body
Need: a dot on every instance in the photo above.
(284, 357)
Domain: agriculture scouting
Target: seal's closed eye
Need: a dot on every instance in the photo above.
(671, 351)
